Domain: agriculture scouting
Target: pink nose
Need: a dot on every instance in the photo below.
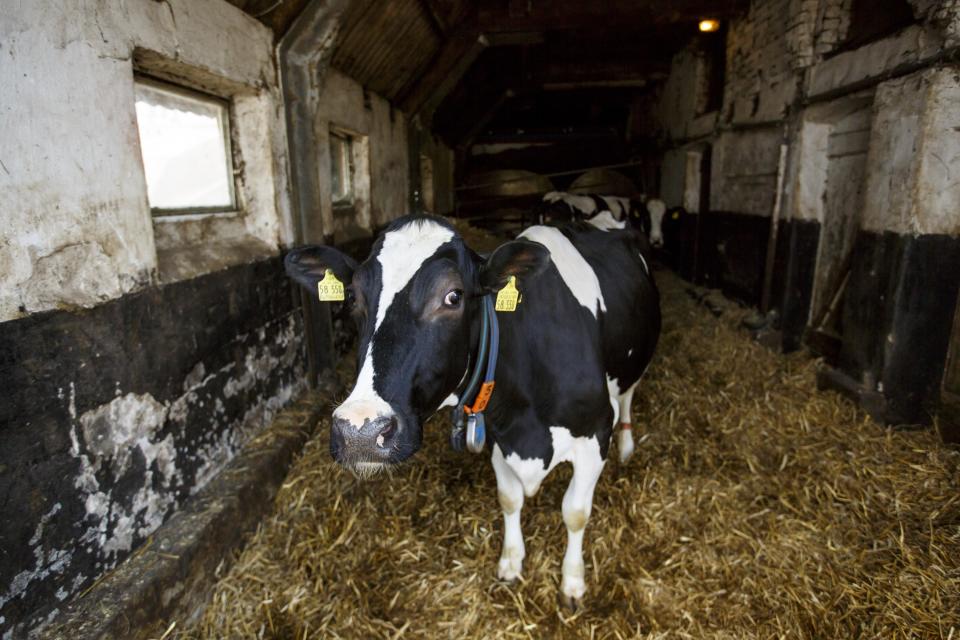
(371, 441)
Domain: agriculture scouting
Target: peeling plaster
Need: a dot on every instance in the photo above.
(113, 436)
(139, 443)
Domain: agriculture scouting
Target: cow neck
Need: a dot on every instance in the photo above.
(469, 424)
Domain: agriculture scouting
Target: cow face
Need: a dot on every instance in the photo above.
(416, 301)
(651, 221)
(655, 210)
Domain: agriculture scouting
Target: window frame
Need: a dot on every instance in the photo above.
(227, 130)
(348, 140)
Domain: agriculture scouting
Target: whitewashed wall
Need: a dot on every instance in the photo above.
(342, 104)
(75, 226)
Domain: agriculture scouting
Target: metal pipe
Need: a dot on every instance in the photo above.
(548, 175)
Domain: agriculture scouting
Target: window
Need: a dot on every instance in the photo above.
(872, 20)
(185, 142)
(341, 167)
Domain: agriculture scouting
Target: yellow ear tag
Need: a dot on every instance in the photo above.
(508, 298)
(330, 289)
(676, 215)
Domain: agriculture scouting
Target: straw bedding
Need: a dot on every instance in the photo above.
(754, 507)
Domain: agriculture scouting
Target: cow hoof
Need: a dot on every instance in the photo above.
(508, 569)
(571, 593)
(570, 603)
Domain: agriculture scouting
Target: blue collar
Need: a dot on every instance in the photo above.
(469, 425)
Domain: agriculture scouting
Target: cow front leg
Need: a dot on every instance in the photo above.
(510, 496)
(577, 504)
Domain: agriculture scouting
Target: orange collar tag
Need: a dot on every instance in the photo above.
(483, 397)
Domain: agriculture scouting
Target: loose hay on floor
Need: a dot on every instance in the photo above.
(755, 506)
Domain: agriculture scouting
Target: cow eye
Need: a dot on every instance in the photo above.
(453, 298)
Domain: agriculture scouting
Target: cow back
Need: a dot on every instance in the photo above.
(630, 325)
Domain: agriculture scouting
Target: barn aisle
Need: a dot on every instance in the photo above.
(755, 506)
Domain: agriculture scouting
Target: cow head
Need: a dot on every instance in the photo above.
(416, 301)
(553, 211)
(650, 215)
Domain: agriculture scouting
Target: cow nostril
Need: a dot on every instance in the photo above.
(388, 431)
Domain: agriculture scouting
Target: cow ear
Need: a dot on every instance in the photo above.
(308, 265)
(520, 258)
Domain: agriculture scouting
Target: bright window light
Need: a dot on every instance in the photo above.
(185, 142)
(341, 167)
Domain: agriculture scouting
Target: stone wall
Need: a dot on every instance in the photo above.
(869, 206)
(76, 226)
(137, 355)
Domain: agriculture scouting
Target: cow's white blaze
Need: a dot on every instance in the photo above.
(403, 252)
(574, 269)
(363, 403)
(605, 221)
(401, 255)
(656, 208)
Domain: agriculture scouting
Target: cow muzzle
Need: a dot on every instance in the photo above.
(363, 444)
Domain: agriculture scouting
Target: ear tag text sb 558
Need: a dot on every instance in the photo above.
(330, 289)
(508, 298)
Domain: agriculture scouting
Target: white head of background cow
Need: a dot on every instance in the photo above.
(653, 221)
(416, 303)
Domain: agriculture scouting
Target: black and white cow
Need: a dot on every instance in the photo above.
(606, 212)
(570, 356)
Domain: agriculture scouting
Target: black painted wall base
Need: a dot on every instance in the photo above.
(897, 318)
(797, 252)
(727, 251)
(897, 312)
(111, 417)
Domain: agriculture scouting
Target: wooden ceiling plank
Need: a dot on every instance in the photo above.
(450, 64)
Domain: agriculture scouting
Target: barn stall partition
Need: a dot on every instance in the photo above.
(159, 373)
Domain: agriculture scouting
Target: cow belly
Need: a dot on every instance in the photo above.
(566, 448)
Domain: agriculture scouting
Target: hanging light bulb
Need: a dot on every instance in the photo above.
(709, 26)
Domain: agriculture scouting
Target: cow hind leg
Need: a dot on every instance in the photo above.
(577, 504)
(510, 495)
(625, 433)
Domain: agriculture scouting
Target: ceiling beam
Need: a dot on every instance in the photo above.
(455, 57)
(515, 38)
(559, 15)
(485, 117)
(439, 24)
(600, 72)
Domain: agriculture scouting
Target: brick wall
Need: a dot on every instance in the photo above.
(942, 14)
(760, 78)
